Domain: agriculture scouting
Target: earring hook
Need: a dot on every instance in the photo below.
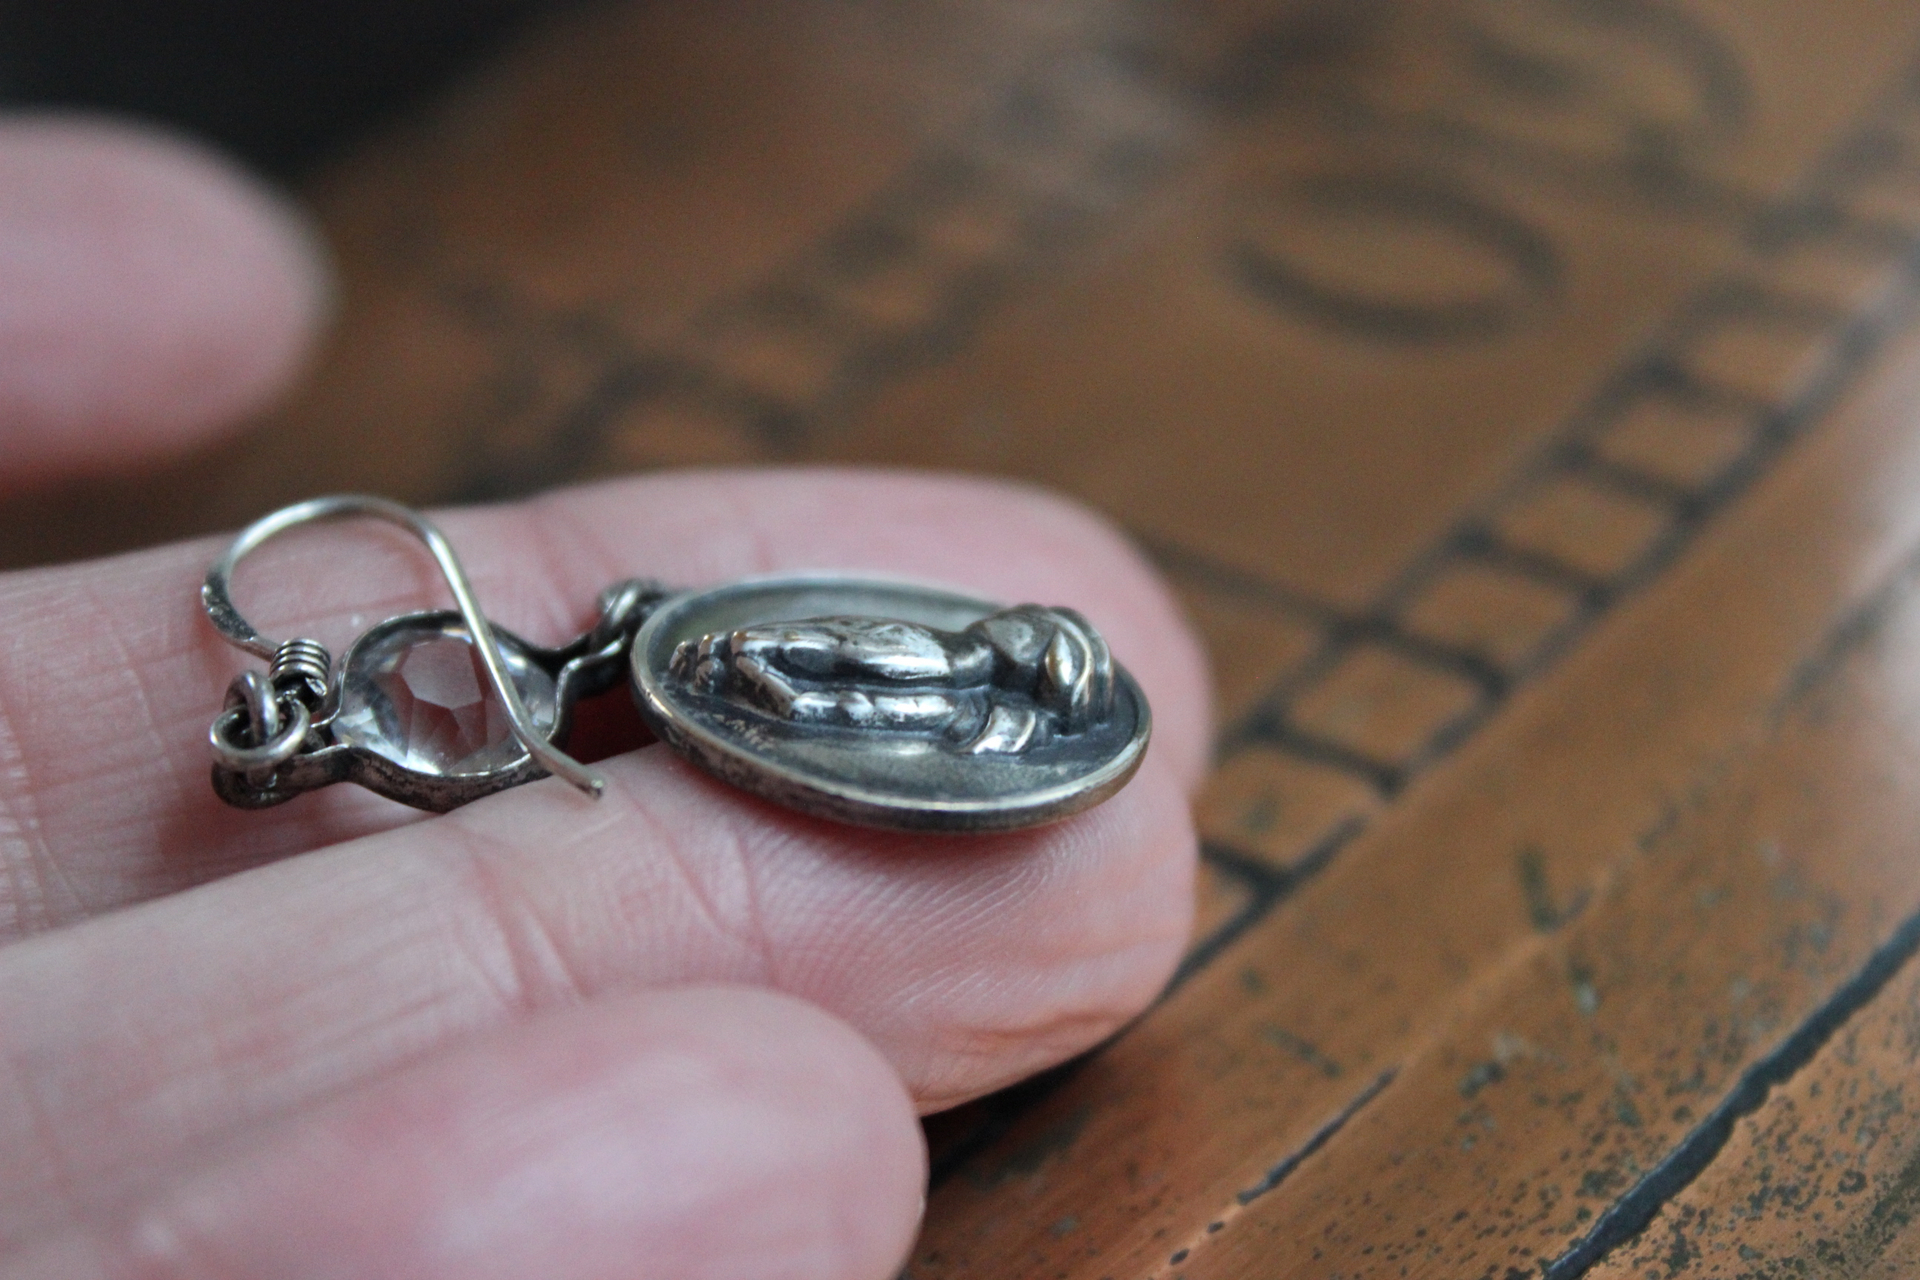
(217, 595)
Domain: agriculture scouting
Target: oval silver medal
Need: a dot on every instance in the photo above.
(890, 703)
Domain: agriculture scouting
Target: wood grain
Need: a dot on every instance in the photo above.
(1521, 393)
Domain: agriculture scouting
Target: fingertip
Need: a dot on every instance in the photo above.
(1090, 938)
(151, 294)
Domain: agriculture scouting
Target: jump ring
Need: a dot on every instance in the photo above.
(259, 761)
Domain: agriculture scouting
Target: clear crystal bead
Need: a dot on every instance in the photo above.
(418, 694)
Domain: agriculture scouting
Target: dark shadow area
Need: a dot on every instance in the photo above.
(282, 85)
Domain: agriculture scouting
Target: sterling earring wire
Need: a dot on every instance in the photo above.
(431, 709)
(865, 700)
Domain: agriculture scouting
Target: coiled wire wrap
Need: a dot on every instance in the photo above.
(304, 669)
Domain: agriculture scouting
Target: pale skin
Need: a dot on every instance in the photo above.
(674, 1033)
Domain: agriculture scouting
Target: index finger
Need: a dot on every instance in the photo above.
(113, 673)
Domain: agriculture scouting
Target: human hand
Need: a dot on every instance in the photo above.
(677, 1033)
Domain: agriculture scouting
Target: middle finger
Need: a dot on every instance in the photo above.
(110, 673)
(968, 961)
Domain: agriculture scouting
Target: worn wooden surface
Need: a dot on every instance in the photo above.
(1525, 396)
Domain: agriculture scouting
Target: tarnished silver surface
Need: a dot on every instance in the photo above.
(890, 703)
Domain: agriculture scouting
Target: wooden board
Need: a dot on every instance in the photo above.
(1523, 395)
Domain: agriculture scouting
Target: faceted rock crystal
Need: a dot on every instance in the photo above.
(420, 697)
(442, 708)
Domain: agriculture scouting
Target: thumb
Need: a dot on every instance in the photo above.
(150, 295)
(715, 1133)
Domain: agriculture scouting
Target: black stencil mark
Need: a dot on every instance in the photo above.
(1531, 267)
(1851, 341)
(1320, 1138)
(1628, 1216)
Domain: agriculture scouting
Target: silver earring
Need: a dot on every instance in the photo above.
(879, 702)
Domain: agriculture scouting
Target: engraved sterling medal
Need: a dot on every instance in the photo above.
(891, 703)
(864, 700)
